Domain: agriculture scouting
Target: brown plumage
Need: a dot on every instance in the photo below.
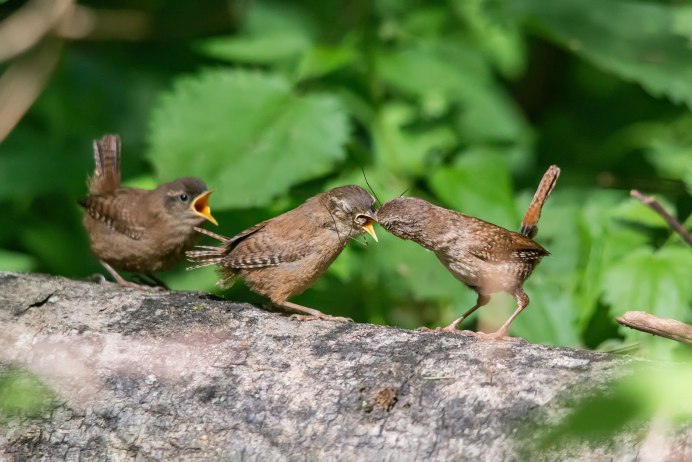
(283, 256)
(140, 230)
(485, 257)
(529, 225)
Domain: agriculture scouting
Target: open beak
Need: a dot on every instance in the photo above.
(369, 228)
(201, 206)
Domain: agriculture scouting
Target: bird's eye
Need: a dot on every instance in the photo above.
(183, 197)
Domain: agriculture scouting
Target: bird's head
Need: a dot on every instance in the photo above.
(352, 210)
(188, 199)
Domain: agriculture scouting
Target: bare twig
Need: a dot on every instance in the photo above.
(29, 25)
(663, 327)
(24, 81)
(672, 222)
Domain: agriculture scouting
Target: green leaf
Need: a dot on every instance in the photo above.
(478, 184)
(15, 261)
(247, 132)
(417, 271)
(604, 240)
(26, 150)
(634, 40)
(51, 243)
(655, 282)
(502, 41)
(433, 67)
(550, 316)
(652, 391)
(322, 59)
(22, 393)
(456, 73)
(633, 211)
(669, 149)
(272, 32)
(404, 150)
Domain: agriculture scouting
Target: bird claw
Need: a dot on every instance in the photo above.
(98, 278)
(470, 333)
(450, 329)
(134, 285)
(497, 336)
(323, 317)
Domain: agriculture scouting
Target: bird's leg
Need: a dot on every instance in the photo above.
(501, 333)
(312, 314)
(157, 281)
(118, 278)
(480, 301)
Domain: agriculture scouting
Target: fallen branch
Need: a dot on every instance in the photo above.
(663, 327)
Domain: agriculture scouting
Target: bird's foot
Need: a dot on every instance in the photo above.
(320, 317)
(311, 314)
(119, 279)
(450, 329)
(97, 277)
(102, 280)
(134, 285)
(497, 336)
(469, 333)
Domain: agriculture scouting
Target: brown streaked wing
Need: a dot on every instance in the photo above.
(110, 210)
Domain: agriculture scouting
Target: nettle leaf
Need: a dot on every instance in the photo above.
(456, 72)
(634, 40)
(669, 150)
(550, 316)
(682, 20)
(605, 240)
(633, 211)
(247, 132)
(501, 38)
(272, 32)
(405, 150)
(478, 184)
(324, 59)
(553, 310)
(655, 282)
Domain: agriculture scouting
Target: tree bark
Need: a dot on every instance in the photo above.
(155, 375)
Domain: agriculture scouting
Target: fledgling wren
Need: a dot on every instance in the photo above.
(283, 256)
(485, 257)
(140, 230)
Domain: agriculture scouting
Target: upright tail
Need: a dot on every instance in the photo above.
(529, 225)
(106, 177)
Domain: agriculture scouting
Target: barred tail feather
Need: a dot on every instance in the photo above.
(201, 265)
(529, 225)
(106, 177)
(202, 255)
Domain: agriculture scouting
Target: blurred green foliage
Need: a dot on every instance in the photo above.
(650, 402)
(22, 394)
(462, 102)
